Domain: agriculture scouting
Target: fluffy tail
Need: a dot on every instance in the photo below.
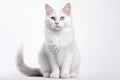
(24, 68)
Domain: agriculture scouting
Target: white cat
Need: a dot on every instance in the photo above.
(59, 56)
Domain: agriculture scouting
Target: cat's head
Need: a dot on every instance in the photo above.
(58, 19)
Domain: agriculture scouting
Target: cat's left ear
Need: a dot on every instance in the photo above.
(67, 9)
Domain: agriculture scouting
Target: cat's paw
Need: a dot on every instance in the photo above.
(73, 75)
(54, 75)
(65, 75)
(46, 75)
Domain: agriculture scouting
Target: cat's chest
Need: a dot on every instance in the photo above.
(56, 44)
(58, 41)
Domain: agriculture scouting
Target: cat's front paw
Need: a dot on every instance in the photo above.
(65, 75)
(54, 75)
(46, 75)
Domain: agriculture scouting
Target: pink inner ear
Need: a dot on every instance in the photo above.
(67, 9)
(48, 9)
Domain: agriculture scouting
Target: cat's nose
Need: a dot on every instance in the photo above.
(56, 23)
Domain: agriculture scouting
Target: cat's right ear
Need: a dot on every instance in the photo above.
(48, 9)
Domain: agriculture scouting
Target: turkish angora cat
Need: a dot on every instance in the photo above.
(59, 56)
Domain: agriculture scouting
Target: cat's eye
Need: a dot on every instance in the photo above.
(62, 18)
(53, 18)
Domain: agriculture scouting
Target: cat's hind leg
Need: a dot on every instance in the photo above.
(45, 67)
(74, 71)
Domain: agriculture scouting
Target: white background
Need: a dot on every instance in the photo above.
(97, 33)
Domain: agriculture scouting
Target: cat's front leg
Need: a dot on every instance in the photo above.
(55, 68)
(65, 71)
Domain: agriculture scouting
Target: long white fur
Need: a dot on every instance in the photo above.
(59, 56)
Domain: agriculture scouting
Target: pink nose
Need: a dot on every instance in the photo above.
(56, 23)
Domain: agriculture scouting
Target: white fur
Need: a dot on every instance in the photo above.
(59, 56)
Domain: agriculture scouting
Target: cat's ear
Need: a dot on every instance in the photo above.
(67, 9)
(48, 9)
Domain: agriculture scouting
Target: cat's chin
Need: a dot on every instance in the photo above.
(57, 28)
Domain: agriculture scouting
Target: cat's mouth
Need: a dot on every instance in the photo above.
(57, 26)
